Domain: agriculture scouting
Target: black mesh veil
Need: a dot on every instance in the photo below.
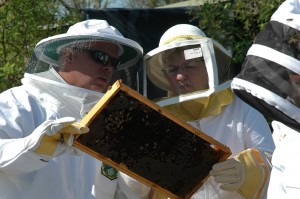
(270, 76)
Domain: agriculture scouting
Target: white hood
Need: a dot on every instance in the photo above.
(65, 99)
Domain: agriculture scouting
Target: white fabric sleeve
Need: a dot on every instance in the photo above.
(132, 188)
(281, 131)
(17, 121)
(285, 176)
(257, 131)
(14, 159)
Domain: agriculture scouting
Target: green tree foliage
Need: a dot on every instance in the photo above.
(235, 23)
(22, 25)
(10, 75)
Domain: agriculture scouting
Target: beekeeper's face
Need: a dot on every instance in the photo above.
(185, 74)
(91, 66)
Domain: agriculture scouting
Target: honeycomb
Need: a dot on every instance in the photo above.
(151, 145)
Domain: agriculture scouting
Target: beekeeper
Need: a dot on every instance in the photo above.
(269, 81)
(67, 75)
(193, 70)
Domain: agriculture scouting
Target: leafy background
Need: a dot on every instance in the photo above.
(24, 23)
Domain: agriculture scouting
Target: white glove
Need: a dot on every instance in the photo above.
(248, 173)
(53, 137)
(230, 173)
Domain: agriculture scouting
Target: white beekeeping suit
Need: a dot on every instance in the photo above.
(212, 108)
(37, 159)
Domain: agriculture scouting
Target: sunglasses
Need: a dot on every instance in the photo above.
(100, 57)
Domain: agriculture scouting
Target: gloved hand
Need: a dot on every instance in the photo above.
(52, 137)
(248, 173)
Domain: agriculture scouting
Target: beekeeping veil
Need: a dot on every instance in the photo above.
(269, 78)
(197, 45)
(47, 51)
(43, 80)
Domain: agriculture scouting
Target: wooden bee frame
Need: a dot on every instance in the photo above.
(146, 142)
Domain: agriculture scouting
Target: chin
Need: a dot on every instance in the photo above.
(181, 92)
(97, 89)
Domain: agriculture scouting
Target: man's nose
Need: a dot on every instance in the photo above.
(107, 67)
(181, 75)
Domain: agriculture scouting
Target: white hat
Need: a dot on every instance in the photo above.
(183, 35)
(90, 30)
(181, 32)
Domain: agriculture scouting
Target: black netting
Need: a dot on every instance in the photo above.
(280, 37)
(268, 75)
(272, 65)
